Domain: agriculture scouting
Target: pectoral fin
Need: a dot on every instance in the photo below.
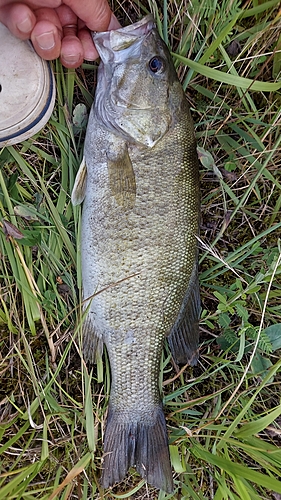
(79, 188)
(184, 336)
(122, 181)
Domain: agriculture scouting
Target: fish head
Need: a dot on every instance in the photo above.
(138, 92)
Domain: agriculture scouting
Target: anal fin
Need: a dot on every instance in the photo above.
(92, 342)
(184, 336)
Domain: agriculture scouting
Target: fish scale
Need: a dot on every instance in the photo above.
(138, 244)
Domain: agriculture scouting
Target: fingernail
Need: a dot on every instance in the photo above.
(114, 23)
(46, 41)
(71, 58)
(26, 25)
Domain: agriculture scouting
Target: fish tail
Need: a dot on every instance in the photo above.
(139, 443)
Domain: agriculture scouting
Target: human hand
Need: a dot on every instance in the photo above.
(59, 28)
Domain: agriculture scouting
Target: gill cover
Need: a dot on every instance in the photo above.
(136, 80)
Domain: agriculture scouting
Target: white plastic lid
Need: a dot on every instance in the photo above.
(27, 89)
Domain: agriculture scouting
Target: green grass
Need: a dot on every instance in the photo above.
(223, 416)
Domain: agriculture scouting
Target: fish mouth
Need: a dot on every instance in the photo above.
(131, 28)
(110, 43)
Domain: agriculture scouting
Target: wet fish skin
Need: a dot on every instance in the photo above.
(138, 244)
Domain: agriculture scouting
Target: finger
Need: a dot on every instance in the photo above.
(71, 48)
(89, 50)
(47, 33)
(19, 18)
(96, 15)
(35, 4)
(85, 36)
(71, 52)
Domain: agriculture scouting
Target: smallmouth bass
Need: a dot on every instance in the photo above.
(139, 184)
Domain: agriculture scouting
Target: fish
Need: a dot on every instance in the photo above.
(139, 184)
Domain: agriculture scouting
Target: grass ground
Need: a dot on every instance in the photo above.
(223, 416)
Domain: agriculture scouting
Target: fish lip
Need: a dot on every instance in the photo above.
(112, 44)
(130, 29)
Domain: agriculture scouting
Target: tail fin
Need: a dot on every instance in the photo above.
(143, 444)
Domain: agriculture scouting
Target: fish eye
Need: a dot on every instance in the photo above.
(156, 64)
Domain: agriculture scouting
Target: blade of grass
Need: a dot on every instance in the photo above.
(234, 80)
